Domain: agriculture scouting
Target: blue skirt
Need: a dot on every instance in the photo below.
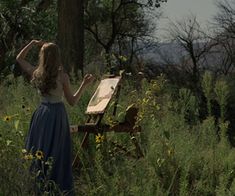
(49, 132)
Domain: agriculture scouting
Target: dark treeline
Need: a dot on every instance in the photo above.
(110, 35)
(82, 29)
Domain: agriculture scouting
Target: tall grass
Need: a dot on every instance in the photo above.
(183, 155)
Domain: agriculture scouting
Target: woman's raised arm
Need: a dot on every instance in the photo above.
(73, 98)
(25, 65)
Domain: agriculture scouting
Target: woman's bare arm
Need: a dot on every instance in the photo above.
(73, 98)
(25, 65)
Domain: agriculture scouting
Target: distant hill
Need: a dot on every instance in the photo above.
(173, 53)
(164, 53)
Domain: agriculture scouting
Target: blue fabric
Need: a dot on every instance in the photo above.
(49, 132)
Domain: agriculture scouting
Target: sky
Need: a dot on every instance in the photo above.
(204, 10)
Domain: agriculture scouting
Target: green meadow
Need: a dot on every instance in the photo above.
(183, 154)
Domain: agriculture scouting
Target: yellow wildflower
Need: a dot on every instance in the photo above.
(99, 138)
(145, 100)
(28, 156)
(123, 58)
(170, 152)
(24, 151)
(39, 154)
(155, 85)
(7, 118)
(148, 93)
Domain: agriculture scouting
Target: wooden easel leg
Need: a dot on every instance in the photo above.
(84, 144)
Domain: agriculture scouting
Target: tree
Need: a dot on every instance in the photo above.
(21, 21)
(119, 25)
(196, 44)
(27, 19)
(223, 55)
(71, 33)
(225, 17)
(225, 36)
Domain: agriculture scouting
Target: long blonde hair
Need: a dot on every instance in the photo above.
(45, 76)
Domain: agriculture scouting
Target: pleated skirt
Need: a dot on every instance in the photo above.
(49, 133)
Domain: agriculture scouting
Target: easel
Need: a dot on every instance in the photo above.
(107, 89)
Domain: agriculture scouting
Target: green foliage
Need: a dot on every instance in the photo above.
(207, 87)
(13, 123)
(222, 95)
(118, 27)
(181, 157)
(21, 21)
(217, 90)
(208, 131)
(186, 104)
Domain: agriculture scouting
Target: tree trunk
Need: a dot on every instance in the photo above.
(71, 34)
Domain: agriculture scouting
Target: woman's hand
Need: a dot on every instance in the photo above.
(88, 78)
(37, 42)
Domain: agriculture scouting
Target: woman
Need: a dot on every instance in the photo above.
(49, 128)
